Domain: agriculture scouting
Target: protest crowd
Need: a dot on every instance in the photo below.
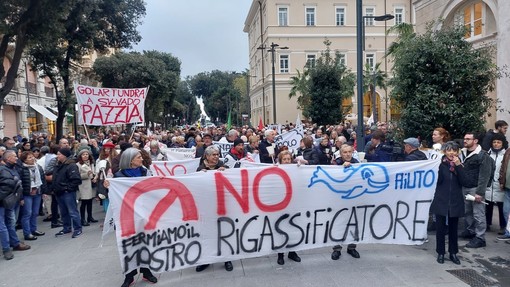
(62, 181)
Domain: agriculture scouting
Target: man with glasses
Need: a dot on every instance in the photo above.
(477, 170)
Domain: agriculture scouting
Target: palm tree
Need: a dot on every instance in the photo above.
(371, 76)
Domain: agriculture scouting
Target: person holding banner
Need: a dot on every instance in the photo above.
(266, 147)
(103, 167)
(448, 202)
(211, 161)
(131, 165)
(285, 157)
(309, 155)
(235, 154)
(155, 151)
(345, 160)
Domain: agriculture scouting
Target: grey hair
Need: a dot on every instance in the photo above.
(451, 145)
(233, 132)
(127, 156)
(267, 132)
(211, 149)
(8, 153)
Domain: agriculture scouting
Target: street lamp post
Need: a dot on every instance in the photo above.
(272, 50)
(360, 32)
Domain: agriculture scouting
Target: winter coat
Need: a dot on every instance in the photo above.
(324, 157)
(477, 170)
(448, 198)
(415, 155)
(264, 154)
(494, 192)
(503, 170)
(66, 177)
(311, 155)
(26, 182)
(8, 183)
(85, 190)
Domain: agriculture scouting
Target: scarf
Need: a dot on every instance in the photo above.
(35, 175)
(133, 172)
(496, 151)
(238, 154)
(451, 164)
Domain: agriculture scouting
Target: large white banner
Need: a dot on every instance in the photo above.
(170, 223)
(109, 106)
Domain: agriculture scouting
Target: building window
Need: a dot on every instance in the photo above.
(283, 16)
(310, 60)
(473, 20)
(310, 16)
(370, 61)
(284, 64)
(342, 59)
(399, 15)
(369, 11)
(340, 16)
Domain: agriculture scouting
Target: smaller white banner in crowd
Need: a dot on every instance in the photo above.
(109, 106)
(291, 138)
(179, 153)
(170, 223)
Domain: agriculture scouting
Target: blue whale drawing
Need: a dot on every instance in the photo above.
(374, 179)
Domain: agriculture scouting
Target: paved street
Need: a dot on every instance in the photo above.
(81, 262)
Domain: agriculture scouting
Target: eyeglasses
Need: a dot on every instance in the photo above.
(215, 154)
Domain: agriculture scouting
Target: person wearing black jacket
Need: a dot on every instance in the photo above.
(65, 181)
(448, 202)
(309, 155)
(9, 182)
(411, 150)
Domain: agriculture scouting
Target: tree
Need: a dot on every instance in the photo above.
(217, 90)
(300, 89)
(160, 71)
(330, 82)
(373, 78)
(82, 27)
(20, 20)
(440, 80)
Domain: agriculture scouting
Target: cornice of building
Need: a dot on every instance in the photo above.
(420, 4)
(254, 10)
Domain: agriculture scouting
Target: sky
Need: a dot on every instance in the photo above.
(205, 35)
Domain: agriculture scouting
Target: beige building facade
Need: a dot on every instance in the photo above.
(302, 27)
(27, 108)
(488, 22)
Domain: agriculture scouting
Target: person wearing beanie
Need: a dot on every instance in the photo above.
(131, 165)
(65, 182)
(236, 153)
(494, 195)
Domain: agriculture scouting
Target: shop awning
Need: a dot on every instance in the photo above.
(43, 111)
(55, 110)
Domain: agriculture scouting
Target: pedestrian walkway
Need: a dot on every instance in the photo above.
(80, 262)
